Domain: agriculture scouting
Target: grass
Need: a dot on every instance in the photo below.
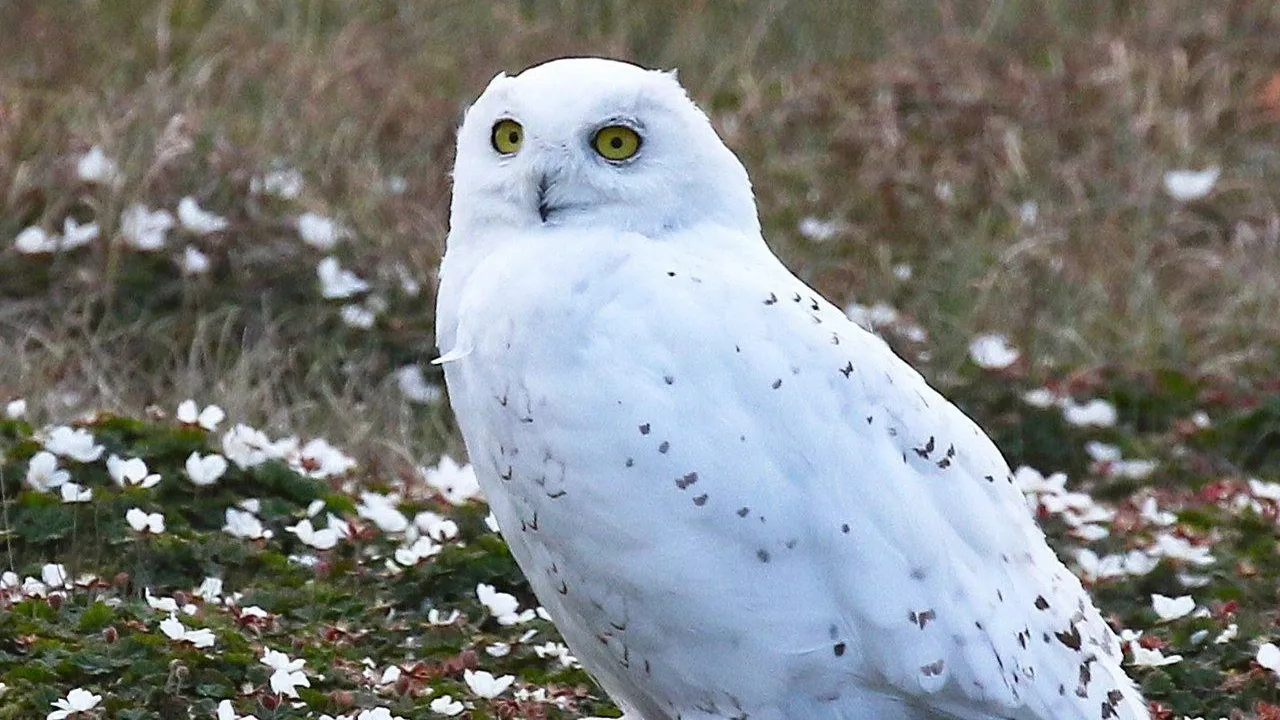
(925, 136)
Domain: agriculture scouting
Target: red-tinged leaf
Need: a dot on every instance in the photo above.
(1267, 711)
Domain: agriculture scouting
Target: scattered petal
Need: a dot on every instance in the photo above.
(484, 684)
(280, 181)
(414, 386)
(131, 473)
(74, 443)
(818, 230)
(447, 706)
(75, 493)
(197, 220)
(95, 167)
(145, 229)
(992, 352)
(336, 282)
(193, 262)
(319, 231)
(76, 701)
(43, 473)
(75, 235)
(287, 675)
(382, 511)
(55, 575)
(1187, 185)
(1172, 608)
(1095, 413)
(244, 524)
(457, 483)
(16, 409)
(204, 471)
(1269, 657)
(145, 522)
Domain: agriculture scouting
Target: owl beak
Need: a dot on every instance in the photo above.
(544, 208)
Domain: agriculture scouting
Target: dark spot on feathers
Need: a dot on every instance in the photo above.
(1086, 677)
(838, 649)
(944, 463)
(813, 303)
(835, 339)
(1109, 705)
(921, 618)
(1041, 603)
(663, 447)
(742, 511)
(933, 668)
(989, 478)
(1071, 639)
(669, 379)
(791, 544)
(631, 461)
(844, 528)
(644, 429)
(927, 449)
(700, 500)
(684, 482)
(506, 474)
(772, 299)
(671, 273)
(797, 298)
(847, 370)
(763, 555)
(777, 383)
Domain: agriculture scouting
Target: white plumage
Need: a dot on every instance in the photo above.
(733, 501)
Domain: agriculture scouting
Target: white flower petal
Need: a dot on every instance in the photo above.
(992, 352)
(1187, 185)
(1172, 608)
(197, 220)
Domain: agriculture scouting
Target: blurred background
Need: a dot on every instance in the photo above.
(245, 202)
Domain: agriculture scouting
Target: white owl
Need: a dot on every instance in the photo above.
(733, 501)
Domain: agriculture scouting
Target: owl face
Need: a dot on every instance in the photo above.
(593, 143)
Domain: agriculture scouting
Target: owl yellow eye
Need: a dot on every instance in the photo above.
(507, 136)
(616, 142)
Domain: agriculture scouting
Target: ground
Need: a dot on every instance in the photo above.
(1006, 191)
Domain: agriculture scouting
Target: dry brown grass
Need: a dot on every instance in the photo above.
(855, 115)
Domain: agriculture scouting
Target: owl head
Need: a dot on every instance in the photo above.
(587, 142)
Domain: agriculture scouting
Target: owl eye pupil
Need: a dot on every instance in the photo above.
(616, 143)
(513, 137)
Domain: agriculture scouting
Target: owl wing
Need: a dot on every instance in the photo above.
(855, 512)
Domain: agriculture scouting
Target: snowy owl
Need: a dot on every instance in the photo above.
(733, 501)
